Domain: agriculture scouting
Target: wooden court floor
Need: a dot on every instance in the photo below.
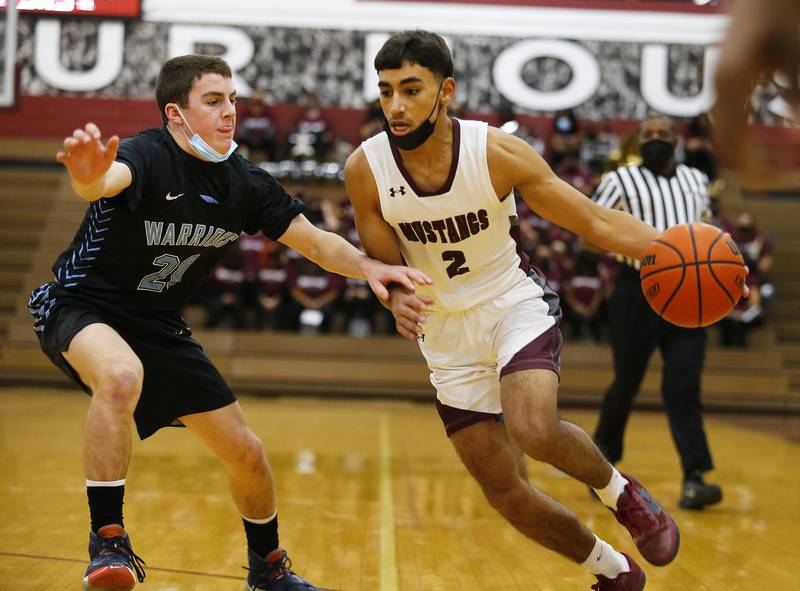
(372, 498)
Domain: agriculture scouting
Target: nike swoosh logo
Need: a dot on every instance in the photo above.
(172, 197)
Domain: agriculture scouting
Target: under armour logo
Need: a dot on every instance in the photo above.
(421, 337)
(401, 190)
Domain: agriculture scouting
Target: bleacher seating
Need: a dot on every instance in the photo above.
(39, 215)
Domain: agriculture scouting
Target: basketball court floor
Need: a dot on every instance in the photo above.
(372, 498)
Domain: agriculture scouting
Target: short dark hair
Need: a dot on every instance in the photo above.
(418, 47)
(177, 76)
(653, 116)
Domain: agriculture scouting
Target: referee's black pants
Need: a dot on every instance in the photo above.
(635, 332)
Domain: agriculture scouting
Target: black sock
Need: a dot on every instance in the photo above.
(105, 505)
(262, 538)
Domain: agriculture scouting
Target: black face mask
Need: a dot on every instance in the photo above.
(416, 138)
(656, 154)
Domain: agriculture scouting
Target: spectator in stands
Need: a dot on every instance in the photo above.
(756, 249)
(747, 314)
(255, 132)
(717, 218)
(599, 147)
(225, 300)
(699, 148)
(566, 138)
(254, 252)
(357, 306)
(373, 123)
(584, 292)
(509, 123)
(313, 295)
(272, 300)
(311, 138)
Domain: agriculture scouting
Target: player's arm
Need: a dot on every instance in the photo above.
(333, 253)
(513, 163)
(380, 241)
(93, 172)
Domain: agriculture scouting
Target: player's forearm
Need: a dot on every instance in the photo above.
(333, 253)
(620, 232)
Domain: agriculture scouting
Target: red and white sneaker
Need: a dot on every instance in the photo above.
(653, 530)
(633, 580)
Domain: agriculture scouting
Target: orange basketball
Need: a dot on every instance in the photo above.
(693, 274)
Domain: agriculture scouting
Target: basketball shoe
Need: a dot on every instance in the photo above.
(274, 573)
(696, 494)
(633, 580)
(113, 566)
(653, 530)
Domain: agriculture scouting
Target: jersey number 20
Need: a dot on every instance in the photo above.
(458, 262)
(171, 272)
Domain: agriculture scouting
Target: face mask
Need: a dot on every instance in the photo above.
(417, 137)
(656, 153)
(564, 124)
(201, 147)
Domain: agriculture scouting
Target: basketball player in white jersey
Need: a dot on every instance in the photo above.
(437, 193)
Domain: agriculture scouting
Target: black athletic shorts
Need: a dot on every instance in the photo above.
(178, 377)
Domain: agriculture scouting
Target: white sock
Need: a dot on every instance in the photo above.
(612, 490)
(604, 560)
(261, 521)
(106, 483)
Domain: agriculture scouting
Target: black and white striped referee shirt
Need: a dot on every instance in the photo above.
(659, 201)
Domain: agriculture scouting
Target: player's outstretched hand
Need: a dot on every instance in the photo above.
(379, 276)
(408, 309)
(85, 156)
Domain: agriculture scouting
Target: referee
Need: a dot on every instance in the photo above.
(660, 193)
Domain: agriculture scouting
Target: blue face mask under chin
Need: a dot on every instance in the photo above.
(201, 147)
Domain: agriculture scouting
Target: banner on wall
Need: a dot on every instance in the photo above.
(599, 78)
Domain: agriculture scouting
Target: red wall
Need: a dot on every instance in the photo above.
(44, 117)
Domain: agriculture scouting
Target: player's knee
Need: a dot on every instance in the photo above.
(250, 458)
(120, 385)
(538, 438)
(504, 497)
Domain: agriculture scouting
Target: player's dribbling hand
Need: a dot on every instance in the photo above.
(85, 156)
(408, 309)
(379, 275)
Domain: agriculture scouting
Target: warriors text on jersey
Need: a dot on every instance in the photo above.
(151, 246)
(459, 235)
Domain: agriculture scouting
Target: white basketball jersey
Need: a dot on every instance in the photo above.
(459, 235)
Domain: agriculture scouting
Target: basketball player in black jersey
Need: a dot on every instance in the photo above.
(164, 206)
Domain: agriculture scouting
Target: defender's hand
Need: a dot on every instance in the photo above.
(85, 156)
(380, 276)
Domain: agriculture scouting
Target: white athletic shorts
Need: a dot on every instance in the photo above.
(468, 351)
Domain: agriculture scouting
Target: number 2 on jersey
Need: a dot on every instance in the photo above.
(458, 262)
(172, 267)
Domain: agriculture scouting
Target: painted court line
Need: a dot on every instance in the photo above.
(388, 565)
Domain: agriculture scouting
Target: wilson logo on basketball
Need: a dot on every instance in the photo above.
(734, 249)
(649, 259)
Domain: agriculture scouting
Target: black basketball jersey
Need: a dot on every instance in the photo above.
(151, 246)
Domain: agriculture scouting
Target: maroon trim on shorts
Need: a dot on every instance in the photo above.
(543, 352)
(448, 184)
(455, 419)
